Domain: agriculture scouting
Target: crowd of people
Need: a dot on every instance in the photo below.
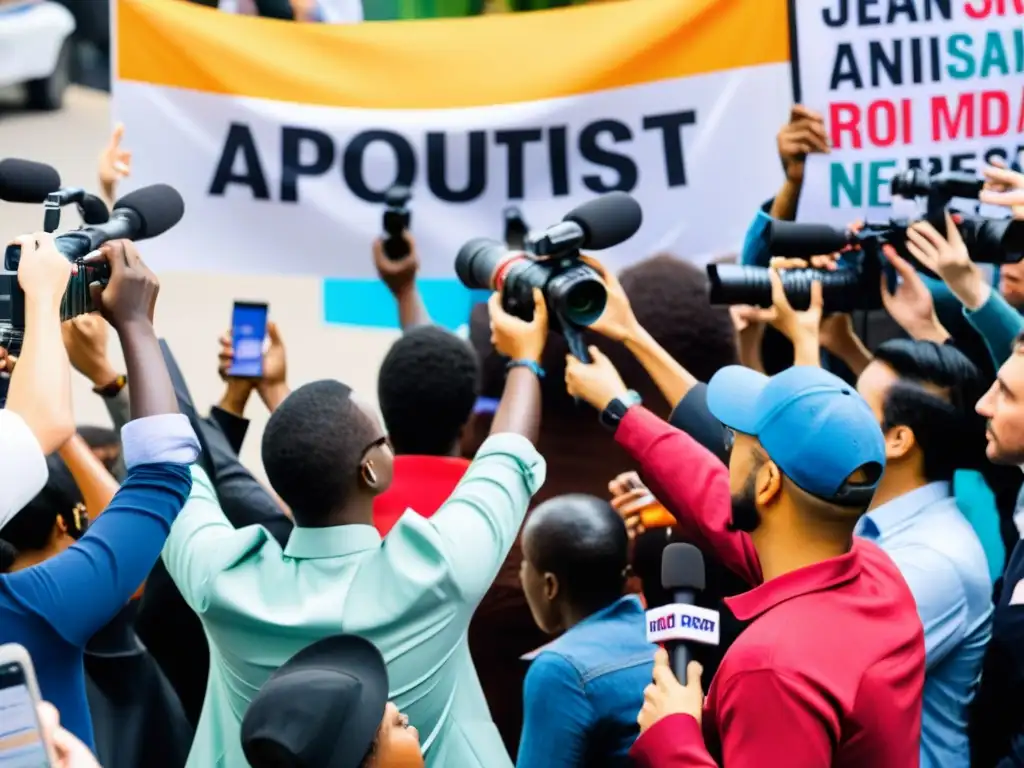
(459, 577)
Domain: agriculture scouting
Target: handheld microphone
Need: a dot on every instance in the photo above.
(682, 622)
(23, 181)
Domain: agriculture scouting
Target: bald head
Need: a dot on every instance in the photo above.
(581, 540)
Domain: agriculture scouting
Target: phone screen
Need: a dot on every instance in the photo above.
(248, 329)
(21, 741)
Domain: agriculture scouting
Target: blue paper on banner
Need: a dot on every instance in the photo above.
(369, 303)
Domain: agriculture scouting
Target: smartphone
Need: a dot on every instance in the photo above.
(21, 738)
(248, 330)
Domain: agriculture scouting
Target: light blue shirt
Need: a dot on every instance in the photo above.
(412, 595)
(945, 567)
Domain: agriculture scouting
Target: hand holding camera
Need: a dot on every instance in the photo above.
(129, 297)
(1004, 187)
(515, 338)
(42, 272)
(617, 322)
(948, 257)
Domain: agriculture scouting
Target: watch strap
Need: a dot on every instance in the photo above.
(113, 389)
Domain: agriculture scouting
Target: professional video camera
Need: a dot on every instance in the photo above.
(143, 214)
(855, 285)
(574, 292)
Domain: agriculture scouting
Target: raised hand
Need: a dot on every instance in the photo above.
(114, 164)
(130, 296)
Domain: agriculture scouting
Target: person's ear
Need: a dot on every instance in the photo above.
(767, 484)
(899, 441)
(550, 586)
(368, 475)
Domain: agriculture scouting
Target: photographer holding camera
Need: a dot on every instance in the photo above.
(54, 607)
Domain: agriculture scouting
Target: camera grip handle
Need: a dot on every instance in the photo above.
(574, 339)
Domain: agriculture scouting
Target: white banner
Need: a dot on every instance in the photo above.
(935, 84)
(283, 138)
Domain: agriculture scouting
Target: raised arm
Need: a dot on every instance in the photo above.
(78, 591)
(399, 275)
(688, 479)
(478, 524)
(97, 485)
(40, 387)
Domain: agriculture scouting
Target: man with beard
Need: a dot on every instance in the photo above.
(997, 728)
(830, 669)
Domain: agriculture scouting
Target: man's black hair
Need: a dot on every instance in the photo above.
(950, 433)
(312, 448)
(669, 297)
(98, 437)
(583, 541)
(426, 387)
(30, 529)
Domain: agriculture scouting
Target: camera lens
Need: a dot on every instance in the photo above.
(578, 294)
(741, 284)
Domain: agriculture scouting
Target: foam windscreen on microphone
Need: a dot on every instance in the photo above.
(609, 220)
(23, 181)
(682, 567)
(159, 206)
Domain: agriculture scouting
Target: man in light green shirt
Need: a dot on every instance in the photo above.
(412, 595)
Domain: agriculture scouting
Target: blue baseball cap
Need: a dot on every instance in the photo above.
(811, 423)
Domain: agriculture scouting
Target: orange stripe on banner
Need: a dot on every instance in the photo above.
(445, 63)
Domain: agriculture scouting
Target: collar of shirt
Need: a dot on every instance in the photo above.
(336, 541)
(818, 577)
(900, 512)
(622, 608)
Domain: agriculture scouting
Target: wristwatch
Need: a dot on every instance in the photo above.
(616, 409)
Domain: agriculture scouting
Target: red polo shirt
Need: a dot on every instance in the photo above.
(830, 670)
(419, 483)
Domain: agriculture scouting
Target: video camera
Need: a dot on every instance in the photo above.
(855, 285)
(574, 292)
(397, 218)
(142, 214)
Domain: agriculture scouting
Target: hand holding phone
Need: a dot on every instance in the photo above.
(22, 741)
(248, 331)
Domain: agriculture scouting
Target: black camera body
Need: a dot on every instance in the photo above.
(77, 296)
(397, 218)
(574, 292)
(856, 286)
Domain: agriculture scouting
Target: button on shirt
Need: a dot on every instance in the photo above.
(583, 691)
(943, 562)
(412, 595)
(55, 607)
(830, 669)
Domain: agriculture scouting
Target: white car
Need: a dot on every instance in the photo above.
(35, 50)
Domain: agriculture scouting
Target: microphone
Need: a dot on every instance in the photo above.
(682, 622)
(23, 181)
(140, 215)
(145, 213)
(600, 223)
(91, 208)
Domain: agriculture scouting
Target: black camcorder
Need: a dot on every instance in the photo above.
(397, 218)
(574, 292)
(855, 285)
(145, 213)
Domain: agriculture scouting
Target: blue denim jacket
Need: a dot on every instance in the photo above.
(583, 692)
